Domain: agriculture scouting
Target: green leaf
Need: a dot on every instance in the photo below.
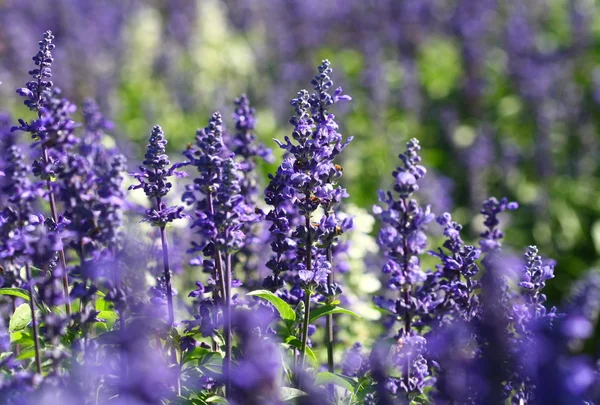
(329, 309)
(15, 292)
(216, 400)
(21, 338)
(287, 393)
(20, 319)
(336, 379)
(285, 310)
(211, 363)
(218, 339)
(27, 353)
(197, 353)
(108, 315)
(297, 343)
(101, 304)
(100, 327)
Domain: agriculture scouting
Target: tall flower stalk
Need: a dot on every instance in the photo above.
(51, 129)
(307, 177)
(153, 179)
(222, 216)
(248, 152)
(403, 239)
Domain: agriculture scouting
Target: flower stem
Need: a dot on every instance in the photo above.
(407, 320)
(227, 323)
(61, 252)
(221, 275)
(307, 292)
(167, 270)
(167, 274)
(329, 323)
(305, 324)
(36, 343)
(121, 312)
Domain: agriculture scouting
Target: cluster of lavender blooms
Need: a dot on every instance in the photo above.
(474, 329)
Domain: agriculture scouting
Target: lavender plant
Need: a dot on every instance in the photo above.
(403, 239)
(222, 216)
(52, 130)
(153, 179)
(307, 178)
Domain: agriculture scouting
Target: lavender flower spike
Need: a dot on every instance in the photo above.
(53, 129)
(153, 178)
(403, 239)
(222, 215)
(307, 177)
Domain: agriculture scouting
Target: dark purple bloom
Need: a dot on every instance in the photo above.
(35, 90)
(307, 178)
(155, 170)
(491, 209)
(456, 275)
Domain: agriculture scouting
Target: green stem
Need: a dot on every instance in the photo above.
(329, 325)
(227, 324)
(307, 292)
(61, 252)
(36, 343)
(305, 324)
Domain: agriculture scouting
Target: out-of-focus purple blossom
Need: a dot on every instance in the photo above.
(535, 275)
(245, 146)
(17, 217)
(248, 152)
(436, 190)
(111, 195)
(7, 140)
(256, 378)
(556, 373)
(355, 363)
(491, 209)
(95, 124)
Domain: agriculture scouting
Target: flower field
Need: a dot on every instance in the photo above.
(299, 202)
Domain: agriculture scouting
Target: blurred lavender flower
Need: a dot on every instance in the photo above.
(256, 377)
(247, 152)
(355, 362)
